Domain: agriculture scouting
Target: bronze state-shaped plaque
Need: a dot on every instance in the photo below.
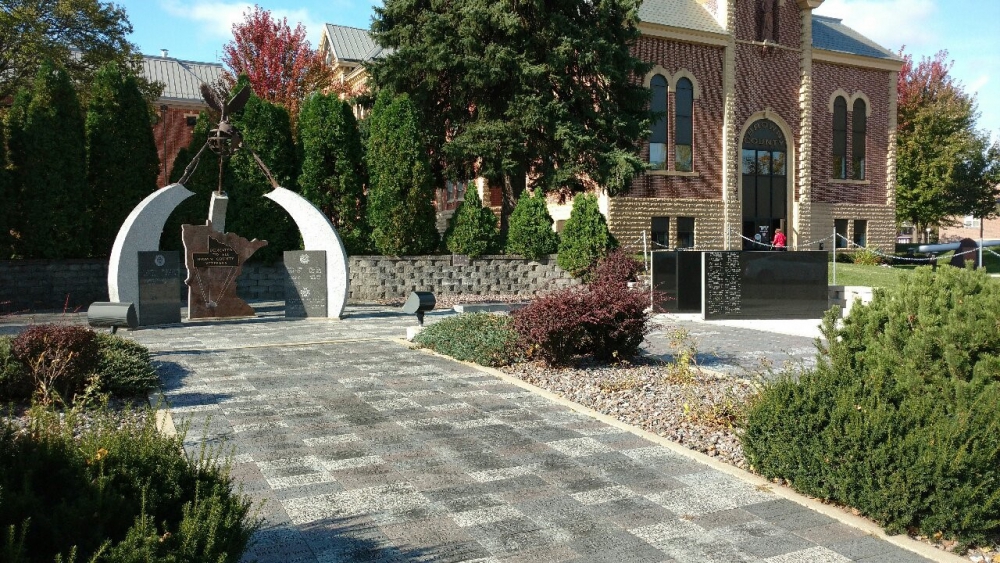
(214, 260)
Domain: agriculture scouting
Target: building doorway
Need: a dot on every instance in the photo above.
(764, 165)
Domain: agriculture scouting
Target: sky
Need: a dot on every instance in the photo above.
(968, 29)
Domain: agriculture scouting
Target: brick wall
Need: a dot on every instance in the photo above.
(178, 134)
(48, 284)
(705, 63)
(827, 79)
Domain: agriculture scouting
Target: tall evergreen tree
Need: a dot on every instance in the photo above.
(473, 228)
(122, 162)
(333, 167)
(585, 238)
(46, 142)
(510, 88)
(267, 130)
(400, 211)
(531, 233)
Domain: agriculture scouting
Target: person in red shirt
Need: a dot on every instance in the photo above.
(779, 240)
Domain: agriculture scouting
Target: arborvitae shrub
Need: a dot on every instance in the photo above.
(333, 172)
(122, 160)
(473, 229)
(267, 129)
(400, 192)
(585, 237)
(484, 338)
(59, 358)
(899, 419)
(49, 169)
(530, 232)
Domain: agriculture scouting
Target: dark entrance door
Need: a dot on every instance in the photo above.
(764, 166)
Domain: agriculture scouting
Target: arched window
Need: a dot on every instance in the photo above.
(658, 136)
(682, 125)
(860, 131)
(840, 138)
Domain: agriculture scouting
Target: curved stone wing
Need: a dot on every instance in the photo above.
(140, 232)
(319, 234)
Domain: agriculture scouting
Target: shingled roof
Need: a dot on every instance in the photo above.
(181, 79)
(832, 35)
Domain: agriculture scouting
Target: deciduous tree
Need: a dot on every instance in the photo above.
(940, 155)
(400, 211)
(78, 35)
(510, 88)
(333, 172)
(122, 162)
(279, 62)
(49, 166)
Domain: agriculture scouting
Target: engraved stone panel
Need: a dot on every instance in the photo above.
(305, 285)
(159, 288)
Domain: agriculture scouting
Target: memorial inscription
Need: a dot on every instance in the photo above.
(214, 261)
(305, 285)
(723, 284)
(159, 288)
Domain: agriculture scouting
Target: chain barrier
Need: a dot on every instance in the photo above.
(926, 259)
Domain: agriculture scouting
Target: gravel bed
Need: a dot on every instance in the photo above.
(690, 406)
(126, 413)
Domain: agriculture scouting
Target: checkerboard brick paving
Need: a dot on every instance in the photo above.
(360, 449)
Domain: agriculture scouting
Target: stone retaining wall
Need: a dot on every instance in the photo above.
(75, 284)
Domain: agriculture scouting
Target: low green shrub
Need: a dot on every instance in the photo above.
(483, 338)
(899, 419)
(54, 364)
(15, 381)
(866, 257)
(124, 491)
(124, 367)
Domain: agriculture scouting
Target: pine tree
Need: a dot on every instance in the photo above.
(531, 233)
(49, 164)
(400, 211)
(473, 229)
(332, 175)
(585, 238)
(266, 129)
(122, 162)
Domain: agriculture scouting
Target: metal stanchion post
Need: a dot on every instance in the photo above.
(834, 255)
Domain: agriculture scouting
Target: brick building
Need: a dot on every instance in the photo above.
(775, 117)
(179, 104)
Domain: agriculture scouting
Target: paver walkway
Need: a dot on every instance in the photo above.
(361, 449)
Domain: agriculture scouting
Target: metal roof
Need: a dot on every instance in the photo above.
(350, 43)
(182, 79)
(687, 14)
(832, 35)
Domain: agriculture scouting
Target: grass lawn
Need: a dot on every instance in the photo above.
(872, 276)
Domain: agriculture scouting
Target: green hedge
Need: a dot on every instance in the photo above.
(900, 417)
(483, 338)
(125, 491)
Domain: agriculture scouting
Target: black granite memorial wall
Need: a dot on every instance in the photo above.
(677, 281)
(765, 285)
(159, 288)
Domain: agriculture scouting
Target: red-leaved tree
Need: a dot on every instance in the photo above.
(281, 64)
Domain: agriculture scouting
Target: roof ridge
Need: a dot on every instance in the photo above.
(180, 61)
(828, 18)
(368, 31)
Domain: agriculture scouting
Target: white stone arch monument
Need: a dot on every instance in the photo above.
(143, 226)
